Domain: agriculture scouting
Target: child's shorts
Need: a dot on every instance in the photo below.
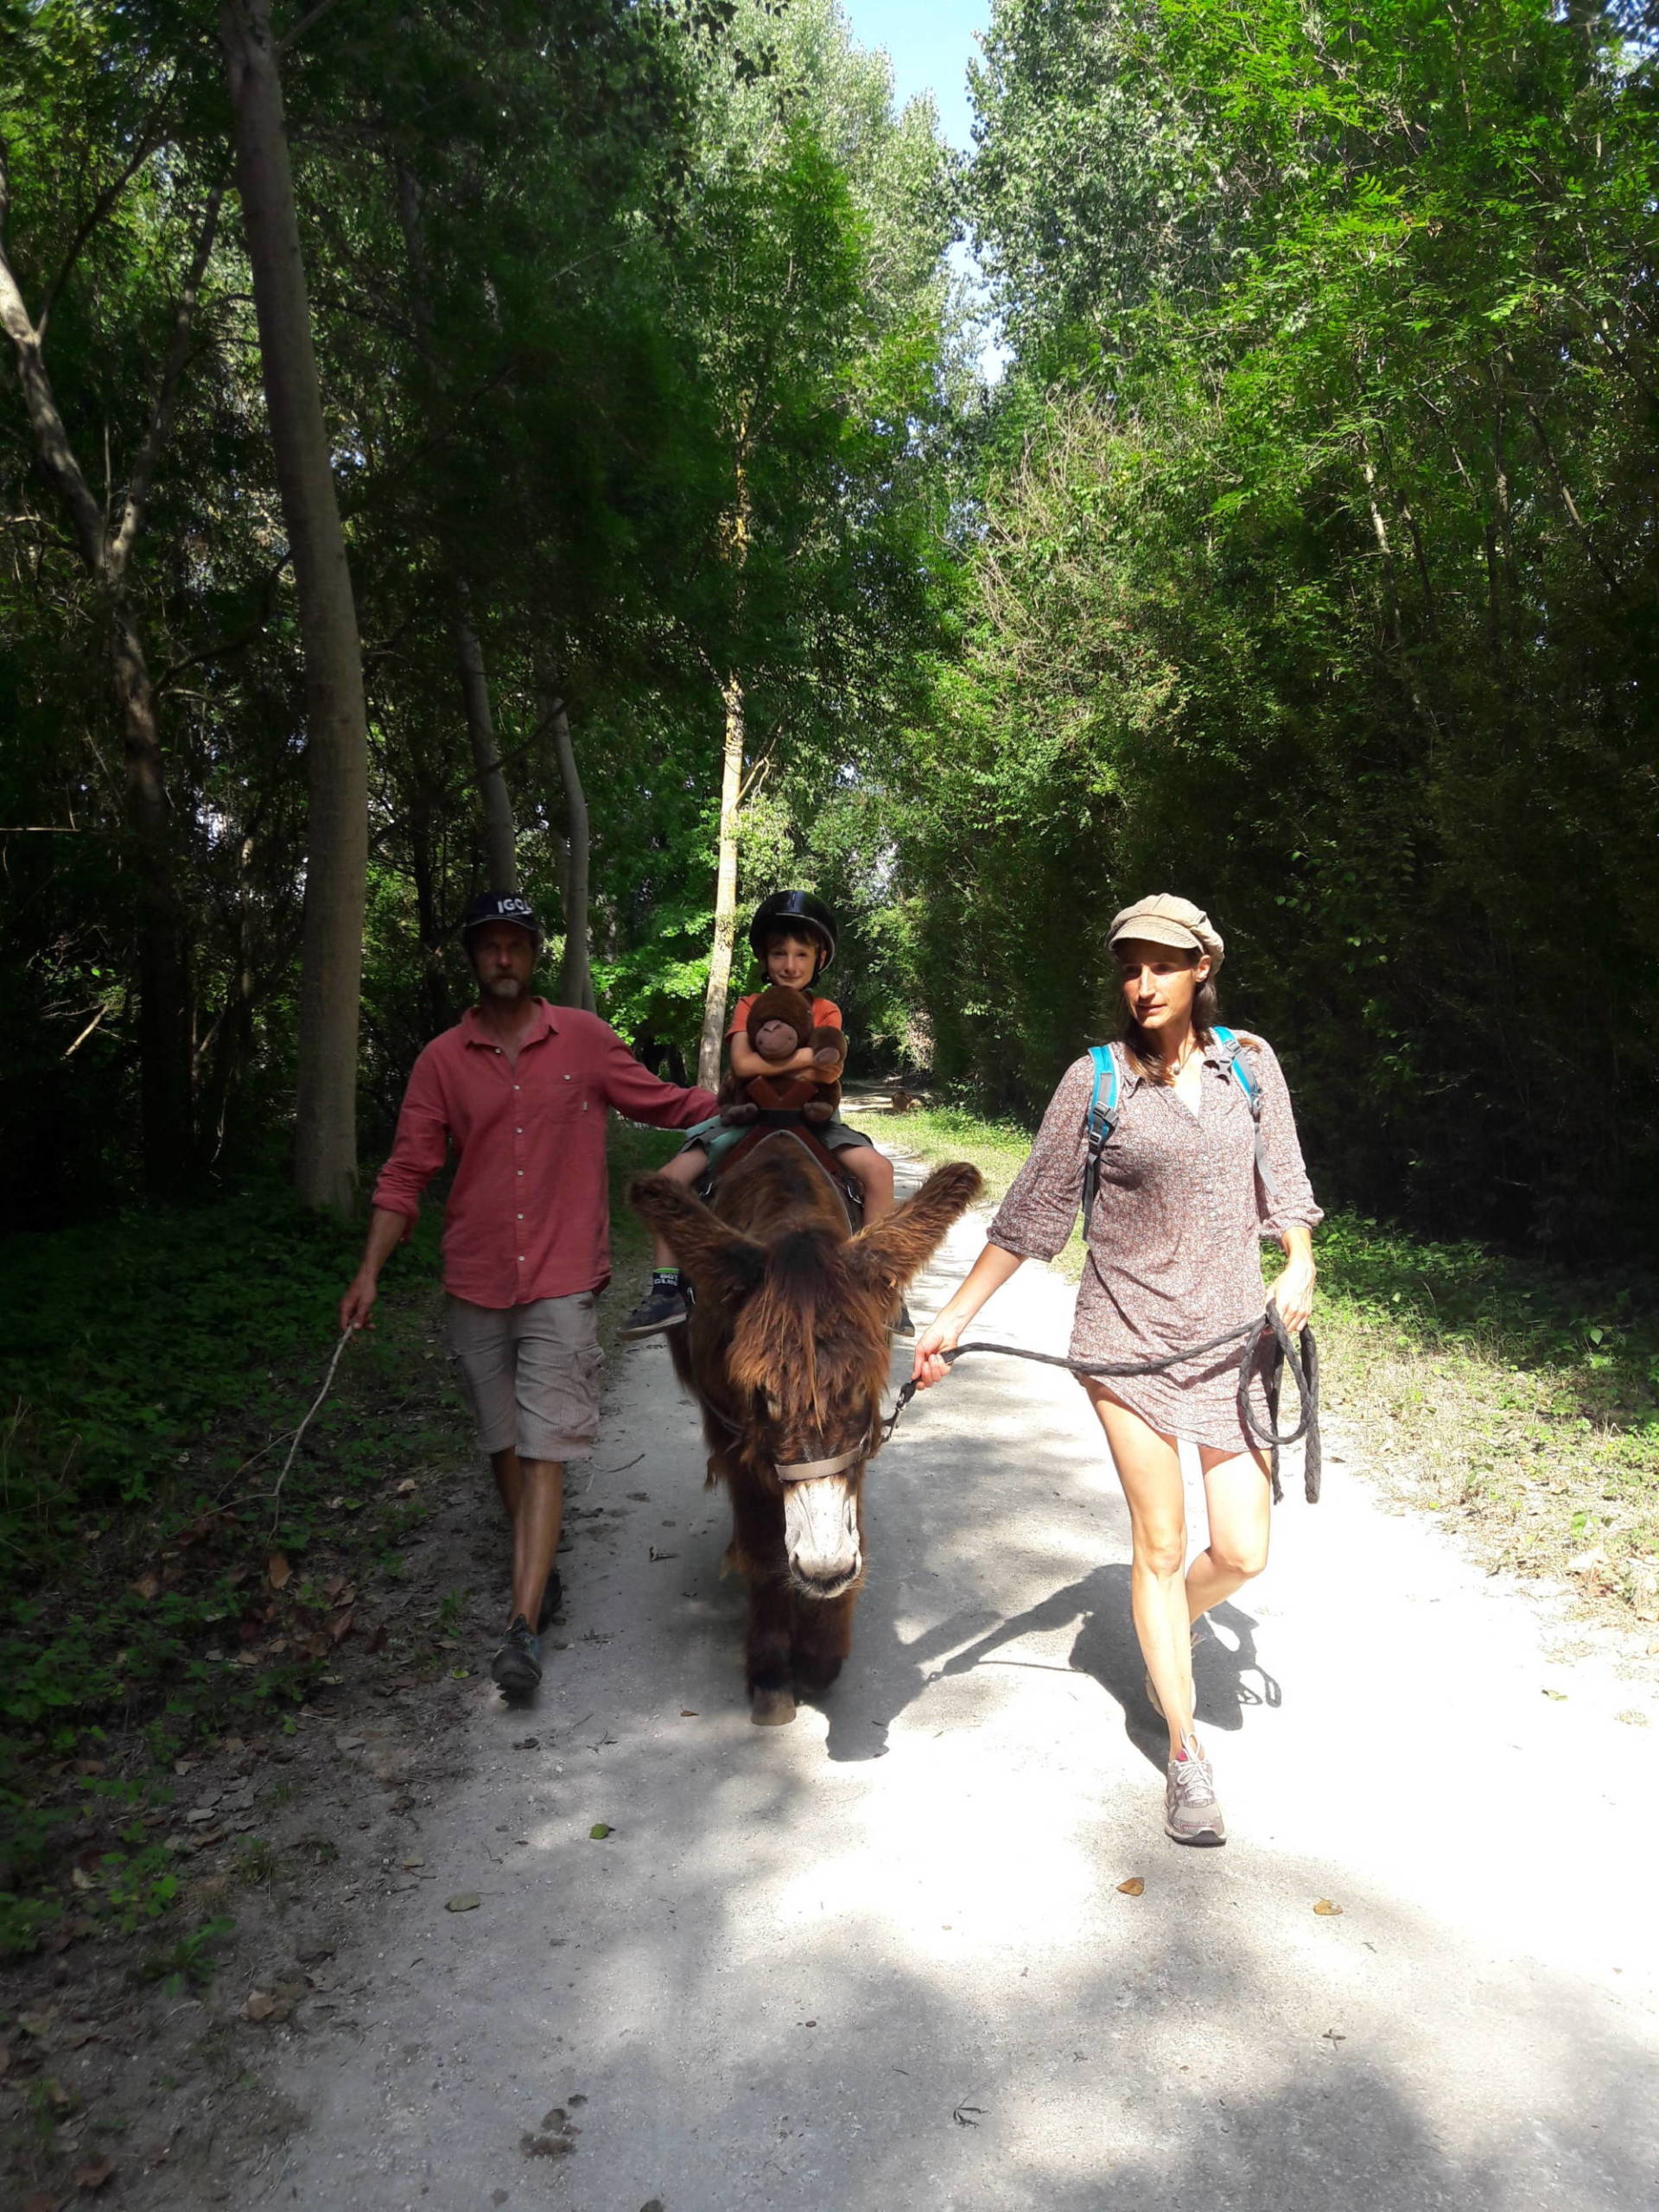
(716, 1139)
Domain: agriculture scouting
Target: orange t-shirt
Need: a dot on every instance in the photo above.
(826, 1015)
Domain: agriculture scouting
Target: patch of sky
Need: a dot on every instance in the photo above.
(929, 44)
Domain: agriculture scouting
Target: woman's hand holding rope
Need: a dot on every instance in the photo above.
(1294, 1292)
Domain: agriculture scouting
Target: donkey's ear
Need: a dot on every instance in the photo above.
(888, 1255)
(723, 1264)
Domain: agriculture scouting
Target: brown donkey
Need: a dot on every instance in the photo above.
(787, 1351)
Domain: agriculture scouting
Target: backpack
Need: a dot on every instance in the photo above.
(1101, 1117)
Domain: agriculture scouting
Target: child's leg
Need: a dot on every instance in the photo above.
(874, 1172)
(663, 1304)
(684, 1167)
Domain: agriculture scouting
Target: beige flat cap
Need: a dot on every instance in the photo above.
(1166, 919)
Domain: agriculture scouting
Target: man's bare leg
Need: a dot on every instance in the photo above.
(532, 1491)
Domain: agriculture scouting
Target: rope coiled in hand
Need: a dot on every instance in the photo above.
(1300, 1355)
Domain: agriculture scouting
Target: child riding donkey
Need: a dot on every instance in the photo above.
(793, 937)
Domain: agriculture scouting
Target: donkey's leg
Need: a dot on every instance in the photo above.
(758, 1541)
(822, 1636)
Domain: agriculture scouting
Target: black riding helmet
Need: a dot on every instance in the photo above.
(799, 913)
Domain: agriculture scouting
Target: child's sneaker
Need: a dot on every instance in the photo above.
(662, 1307)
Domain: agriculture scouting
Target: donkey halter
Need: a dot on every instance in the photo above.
(809, 1471)
(805, 1471)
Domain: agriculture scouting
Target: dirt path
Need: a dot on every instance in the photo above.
(882, 1957)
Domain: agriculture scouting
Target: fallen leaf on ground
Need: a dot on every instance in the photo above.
(1326, 1910)
(599, 1831)
(39, 2023)
(1131, 1888)
(468, 1901)
(339, 1628)
(260, 2005)
(689, 1713)
(147, 1585)
(1560, 1696)
(377, 1640)
(95, 2176)
(277, 1570)
(406, 1488)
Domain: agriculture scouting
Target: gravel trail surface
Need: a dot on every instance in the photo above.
(882, 1957)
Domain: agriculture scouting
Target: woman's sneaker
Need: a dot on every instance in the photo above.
(1191, 1813)
(517, 1667)
(660, 1308)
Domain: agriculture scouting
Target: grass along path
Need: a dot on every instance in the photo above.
(1521, 1402)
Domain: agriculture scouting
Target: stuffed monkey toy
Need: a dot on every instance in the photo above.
(781, 1022)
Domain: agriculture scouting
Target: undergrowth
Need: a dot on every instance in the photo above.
(154, 1592)
(1520, 1398)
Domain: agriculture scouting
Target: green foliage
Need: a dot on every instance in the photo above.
(1307, 571)
(152, 1394)
(188, 1965)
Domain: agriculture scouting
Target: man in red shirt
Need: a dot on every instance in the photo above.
(519, 1088)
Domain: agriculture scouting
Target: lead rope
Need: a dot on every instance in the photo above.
(1301, 1355)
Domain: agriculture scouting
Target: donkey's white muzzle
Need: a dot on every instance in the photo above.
(821, 1535)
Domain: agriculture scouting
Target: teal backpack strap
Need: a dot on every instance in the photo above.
(1098, 1123)
(1238, 1068)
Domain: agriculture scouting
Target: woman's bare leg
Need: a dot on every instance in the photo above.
(1240, 1496)
(1149, 1467)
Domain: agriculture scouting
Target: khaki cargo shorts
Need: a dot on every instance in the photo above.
(531, 1374)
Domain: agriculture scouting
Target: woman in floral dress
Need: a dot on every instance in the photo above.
(1174, 1258)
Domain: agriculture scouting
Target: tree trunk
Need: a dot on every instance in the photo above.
(165, 1055)
(576, 974)
(731, 798)
(331, 965)
(500, 840)
(720, 957)
(438, 1013)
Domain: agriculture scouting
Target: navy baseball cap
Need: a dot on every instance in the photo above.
(500, 907)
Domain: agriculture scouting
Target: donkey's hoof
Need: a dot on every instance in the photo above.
(770, 1708)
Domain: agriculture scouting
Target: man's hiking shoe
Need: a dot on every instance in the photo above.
(657, 1311)
(517, 1666)
(1191, 1814)
(552, 1602)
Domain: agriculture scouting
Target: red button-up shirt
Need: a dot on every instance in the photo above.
(529, 1213)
